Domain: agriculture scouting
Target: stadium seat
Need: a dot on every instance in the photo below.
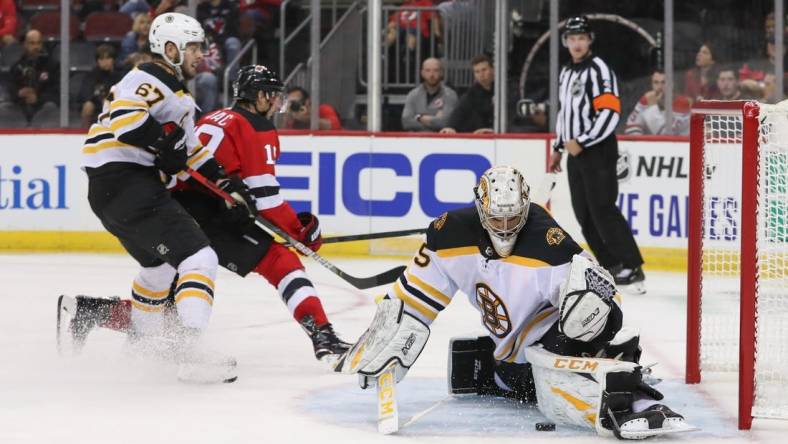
(82, 55)
(46, 117)
(40, 5)
(48, 23)
(74, 84)
(106, 26)
(11, 116)
(10, 55)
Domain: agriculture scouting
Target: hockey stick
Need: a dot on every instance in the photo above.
(370, 236)
(386, 277)
(544, 193)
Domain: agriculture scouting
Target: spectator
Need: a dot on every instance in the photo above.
(34, 78)
(406, 30)
(728, 84)
(537, 119)
(299, 107)
(137, 58)
(769, 88)
(428, 106)
(475, 113)
(648, 117)
(7, 22)
(207, 79)
(219, 19)
(135, 8)
(137, 39)
(95, 87)
(263, 11)
(409, 23)
(699, 81)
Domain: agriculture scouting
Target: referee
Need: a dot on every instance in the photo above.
(587, 117)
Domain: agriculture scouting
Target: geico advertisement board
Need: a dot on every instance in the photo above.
(363, 184)
(355, 184)
(653, 189)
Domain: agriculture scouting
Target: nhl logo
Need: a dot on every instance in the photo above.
(577, 87)
(169, 19)
(623, 166)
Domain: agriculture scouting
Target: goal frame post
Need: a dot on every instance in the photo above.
(748, 267)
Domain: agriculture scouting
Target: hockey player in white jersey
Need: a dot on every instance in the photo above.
(146, 128)
(553, 316)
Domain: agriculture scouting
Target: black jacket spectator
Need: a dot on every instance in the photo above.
(219, 18)
(96, 85)
(474, 111)
(34, 79)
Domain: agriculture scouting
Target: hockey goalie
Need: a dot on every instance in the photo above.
(553, 316)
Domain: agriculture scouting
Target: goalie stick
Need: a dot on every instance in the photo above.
(369, 236)
(388, 411)
(386, 277)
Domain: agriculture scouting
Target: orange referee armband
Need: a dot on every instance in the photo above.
(607, 101)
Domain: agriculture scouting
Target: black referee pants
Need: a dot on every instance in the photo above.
(594, 188)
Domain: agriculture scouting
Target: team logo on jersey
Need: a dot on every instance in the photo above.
(162, 249)
(438, 224)
(495, 317)
(555, 236)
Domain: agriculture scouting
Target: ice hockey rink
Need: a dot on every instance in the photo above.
(283, 395)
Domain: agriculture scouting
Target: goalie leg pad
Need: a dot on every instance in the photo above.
(471, 365)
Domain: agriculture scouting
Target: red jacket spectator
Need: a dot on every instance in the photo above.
(7, 22)
(409, 19)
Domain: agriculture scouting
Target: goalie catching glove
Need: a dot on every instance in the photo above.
(393, 336)
(587, 309)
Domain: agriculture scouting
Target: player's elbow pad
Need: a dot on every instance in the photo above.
(144, 135)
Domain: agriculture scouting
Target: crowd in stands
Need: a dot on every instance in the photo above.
(109, 37)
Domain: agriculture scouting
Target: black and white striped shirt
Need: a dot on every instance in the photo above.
(589, 105)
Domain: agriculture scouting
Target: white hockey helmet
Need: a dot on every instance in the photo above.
(502, 200)
(180, 29)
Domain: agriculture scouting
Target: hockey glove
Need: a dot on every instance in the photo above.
(310, 233)
(243, 212)
(170, 148)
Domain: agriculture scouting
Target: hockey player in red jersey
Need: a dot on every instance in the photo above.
(246, 144)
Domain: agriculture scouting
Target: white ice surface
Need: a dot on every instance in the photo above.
(283, 395)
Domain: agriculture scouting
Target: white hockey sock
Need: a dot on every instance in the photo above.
(294, 288)
(194, 290)
(149, 292)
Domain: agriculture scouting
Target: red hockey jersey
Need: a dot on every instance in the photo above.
(247, 144)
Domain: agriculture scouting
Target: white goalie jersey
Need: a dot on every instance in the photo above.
(517, 297)
(133, 115)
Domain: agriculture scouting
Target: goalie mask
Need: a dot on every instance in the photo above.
(502, 200)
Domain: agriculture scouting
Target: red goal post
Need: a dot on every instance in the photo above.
(737, 250)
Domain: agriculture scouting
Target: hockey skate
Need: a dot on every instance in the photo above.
(631, 280)
(328, 347)
(656, 420)
(76, 318)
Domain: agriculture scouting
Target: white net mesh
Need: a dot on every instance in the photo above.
(721, 245)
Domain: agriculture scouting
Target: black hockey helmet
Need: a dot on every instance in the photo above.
(254, 78)
(577, 25)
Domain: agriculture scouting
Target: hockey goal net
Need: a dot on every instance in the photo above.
(737, 302)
